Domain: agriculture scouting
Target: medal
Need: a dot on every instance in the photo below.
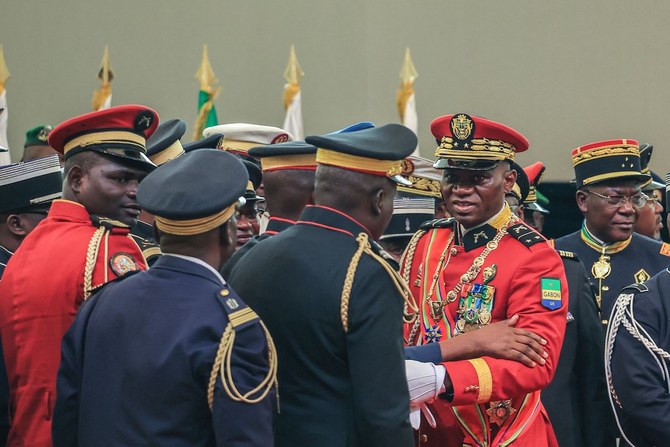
(436, 310)
(601, 268)
(499, 411)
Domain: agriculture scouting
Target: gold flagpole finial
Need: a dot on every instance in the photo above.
(105, 74)
(4, 71)
(205, 74)
(293, 73)
(408, 73)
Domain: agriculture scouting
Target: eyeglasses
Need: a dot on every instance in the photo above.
(637, 201)
(652, 201)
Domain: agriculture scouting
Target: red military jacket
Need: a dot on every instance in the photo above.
(496, 402)
(66, 257)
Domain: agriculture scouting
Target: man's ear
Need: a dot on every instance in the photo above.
(377, 202)
(75, 177)
(228, 233)
(580, 197)
(15, 225)
(509, 179)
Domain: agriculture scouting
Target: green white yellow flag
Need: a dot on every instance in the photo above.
(102, 98)
(206, 110)
(5, 159)
(405, 97)
(292, 99)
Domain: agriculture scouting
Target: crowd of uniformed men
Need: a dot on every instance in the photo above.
(247, 289)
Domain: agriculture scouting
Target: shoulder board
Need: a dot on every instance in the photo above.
(525, 234)
(566, 254)
(437, 223)
(107, 223)
(637, 287)
(148, 247)
(386, 256)
(239, 314)
(665, 249)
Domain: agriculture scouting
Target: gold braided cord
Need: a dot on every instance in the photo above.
(107, 233)
(406, 262)
(91, 258)
(194, 226)
(222, 366)
(398, 281)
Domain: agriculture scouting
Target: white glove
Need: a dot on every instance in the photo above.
(415, 416)
(425, 381)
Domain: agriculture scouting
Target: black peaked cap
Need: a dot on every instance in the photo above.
(210, 142)
(167, 133)
(281, 149)
(388, 142)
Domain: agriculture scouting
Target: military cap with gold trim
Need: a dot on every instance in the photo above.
(424, 178)
(120, 132)
(32, 184)
(240, 137)
(294, 155)
(194, 193)
(38, 136)
(607, 160)
(474, 143)
(655, 182)
(210, 142)
(164, 144)
(255, 179)
(376, 151)
(408, 215)
(534, 172)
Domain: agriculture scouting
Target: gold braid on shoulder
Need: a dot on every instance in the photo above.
(398, 281)
(406, 263)
(91, 258)
(223, 363)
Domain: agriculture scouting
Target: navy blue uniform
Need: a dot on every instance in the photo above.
(136, 364)
(576, 399)
(640, 378)
(337, 388)
(640, 260)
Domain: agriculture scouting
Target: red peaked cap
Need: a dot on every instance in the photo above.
(472, 142)
(119, 131)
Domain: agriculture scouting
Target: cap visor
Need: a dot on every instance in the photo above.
(468, 165)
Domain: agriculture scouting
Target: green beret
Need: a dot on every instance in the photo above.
(37, 136)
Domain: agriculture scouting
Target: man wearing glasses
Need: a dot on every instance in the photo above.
(609, 179)
(649, 222)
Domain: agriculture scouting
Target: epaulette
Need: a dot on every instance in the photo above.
(107, 223)
(386, 256)
(665, 249)
(148, 247)
(638, 287)
(567, 254)
(525, 234)
(437, 223)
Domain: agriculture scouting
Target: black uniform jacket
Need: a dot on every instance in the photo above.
(336, 388)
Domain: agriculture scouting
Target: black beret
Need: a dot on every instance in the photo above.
(195, 185)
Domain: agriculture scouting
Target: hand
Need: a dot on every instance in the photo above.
(502, 340)
(499, 340)
(425, 381)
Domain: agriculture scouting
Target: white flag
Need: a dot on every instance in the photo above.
(293, 120)
(4, 144)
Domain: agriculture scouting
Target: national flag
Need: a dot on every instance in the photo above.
(405, 97)
(102, 98)
(292, 100)
(5, 158)
(206, 110)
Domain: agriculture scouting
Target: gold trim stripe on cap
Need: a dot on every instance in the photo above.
(169, 153)
(298, 161)
(195, 226)
(516, 190)
(477, 147)
(609, 175)
(237, 146)
(606, 151)
(368, 165)
(484, 378)
(250, 186)
(114, 136)
(532, 196)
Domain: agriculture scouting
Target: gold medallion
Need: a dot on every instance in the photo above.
(484, 317)
(601, 268)
(436, 310)
(499, 411)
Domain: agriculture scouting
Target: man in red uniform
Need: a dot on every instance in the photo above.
(82, 244)
(482, 266)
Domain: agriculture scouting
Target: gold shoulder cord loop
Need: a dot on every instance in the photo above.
(406, 262)
(223, 360)
(398, 281)
(91, 258)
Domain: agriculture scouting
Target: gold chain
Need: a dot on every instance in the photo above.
(437, 306)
